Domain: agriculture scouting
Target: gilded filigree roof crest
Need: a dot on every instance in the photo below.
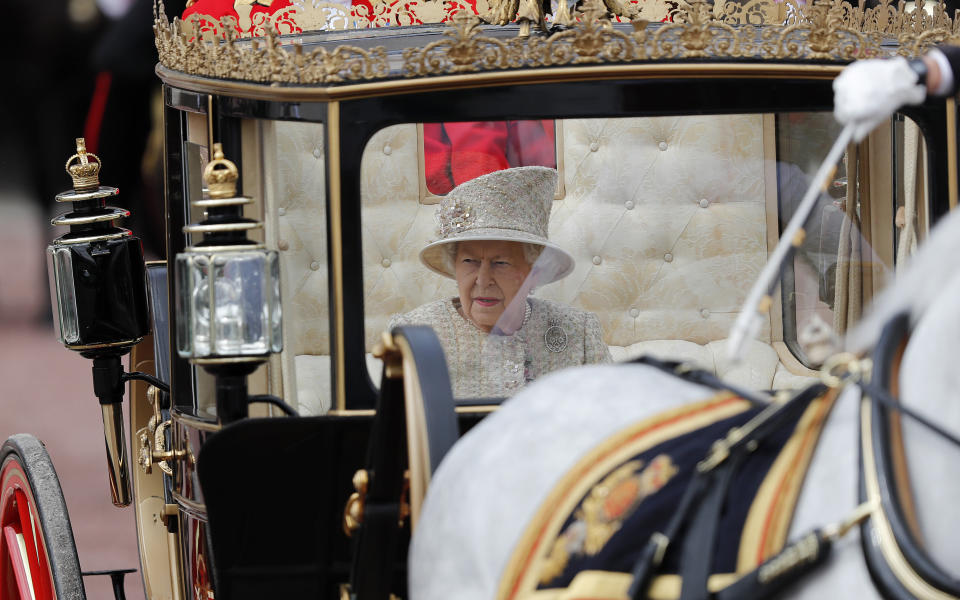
(826, 30)
(263, 59)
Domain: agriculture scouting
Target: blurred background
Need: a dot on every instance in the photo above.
(75, 68)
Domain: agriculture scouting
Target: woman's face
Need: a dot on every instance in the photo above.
(489, 274)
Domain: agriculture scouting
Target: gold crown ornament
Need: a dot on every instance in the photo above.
(221, 175)
(85, 173)
(224, 223)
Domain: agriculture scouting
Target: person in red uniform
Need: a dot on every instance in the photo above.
(458, 152)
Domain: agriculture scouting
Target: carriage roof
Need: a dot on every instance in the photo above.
(308, 49)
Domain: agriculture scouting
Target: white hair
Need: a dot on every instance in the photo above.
(531, 252)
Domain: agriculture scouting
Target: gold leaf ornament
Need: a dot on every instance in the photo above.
(462, 50)
(827, 30)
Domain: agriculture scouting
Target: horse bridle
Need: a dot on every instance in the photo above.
(899, 565)
(694, 524)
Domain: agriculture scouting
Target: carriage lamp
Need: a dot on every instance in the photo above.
(99, 296)
(228, 292)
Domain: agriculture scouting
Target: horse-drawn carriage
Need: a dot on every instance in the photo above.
(281, 444)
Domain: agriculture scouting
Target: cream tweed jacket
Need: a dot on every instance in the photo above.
(553, 336)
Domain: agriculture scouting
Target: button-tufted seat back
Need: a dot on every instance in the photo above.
(666, 217)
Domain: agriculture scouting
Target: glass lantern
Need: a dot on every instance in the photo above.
(227, 286)
(228, 303)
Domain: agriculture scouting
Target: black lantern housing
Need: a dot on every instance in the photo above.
(99, 295)
(96, 270)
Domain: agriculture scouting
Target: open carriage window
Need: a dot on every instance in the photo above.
(664, 224)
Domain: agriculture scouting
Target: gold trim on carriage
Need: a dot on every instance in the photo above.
(448, 294)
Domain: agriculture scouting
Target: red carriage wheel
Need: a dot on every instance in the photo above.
(38, 557)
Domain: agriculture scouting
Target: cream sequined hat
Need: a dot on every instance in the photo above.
(512, 205)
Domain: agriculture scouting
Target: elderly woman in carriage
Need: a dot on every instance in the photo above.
(376, 359)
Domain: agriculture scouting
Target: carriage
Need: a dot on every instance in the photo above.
(281, 440)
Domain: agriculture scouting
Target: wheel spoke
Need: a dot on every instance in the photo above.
(16, 550)
(28, 544)
(36, 553)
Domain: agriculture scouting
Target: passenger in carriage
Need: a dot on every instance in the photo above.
(868, 91)
(493, 242)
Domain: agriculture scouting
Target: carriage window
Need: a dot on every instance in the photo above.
(282, 169)
(856, 234)
(810, 293)
(663, 225)
(196, 156)
(294, 204)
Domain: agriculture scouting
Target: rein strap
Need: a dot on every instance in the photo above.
(696, 519)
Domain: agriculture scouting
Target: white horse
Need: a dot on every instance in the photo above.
(502, 508)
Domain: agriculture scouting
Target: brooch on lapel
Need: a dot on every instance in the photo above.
(555, 337)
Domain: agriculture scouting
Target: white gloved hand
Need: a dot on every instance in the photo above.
(868, 92)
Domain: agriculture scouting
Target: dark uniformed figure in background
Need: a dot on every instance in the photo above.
(125, 117)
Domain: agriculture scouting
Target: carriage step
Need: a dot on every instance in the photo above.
(116, 577)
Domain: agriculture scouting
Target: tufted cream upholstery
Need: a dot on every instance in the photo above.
(295, 223)
(665, 216)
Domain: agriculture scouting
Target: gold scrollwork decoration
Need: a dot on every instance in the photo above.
(219, 54)
(152, 446)
(696, 32)
(824, 30)
(356, 503)
(822, 35)
(592, 40)
(462, 50)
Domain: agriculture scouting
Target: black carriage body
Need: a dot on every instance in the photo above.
(263, 508)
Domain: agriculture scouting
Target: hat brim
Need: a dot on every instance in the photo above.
(432, 256)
